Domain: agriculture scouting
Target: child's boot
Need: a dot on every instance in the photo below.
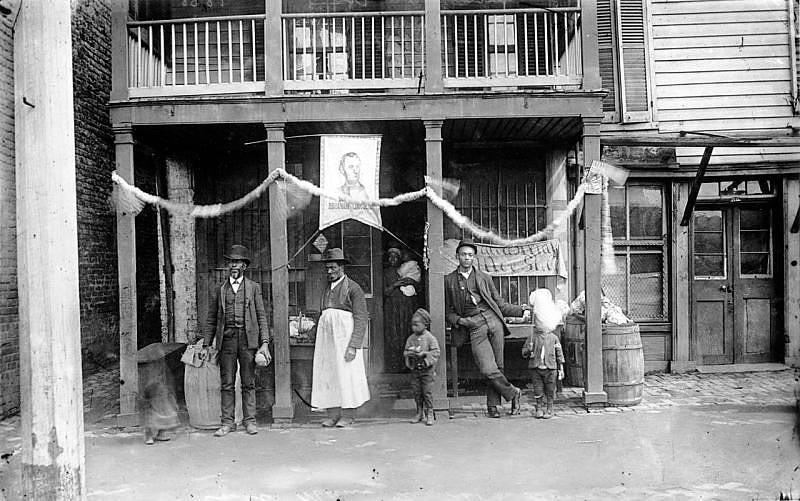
(418, 417)
(539, 412)
(148, 436)
(429, 417)
(548, 413)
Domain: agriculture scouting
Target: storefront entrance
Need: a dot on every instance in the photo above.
(734, 297)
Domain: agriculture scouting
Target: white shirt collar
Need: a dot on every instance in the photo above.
(235, 282)
(467, 274)
(334, 284)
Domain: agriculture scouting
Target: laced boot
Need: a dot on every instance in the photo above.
(429, 416)
(539, 412)
(548, 413)
(419, 416)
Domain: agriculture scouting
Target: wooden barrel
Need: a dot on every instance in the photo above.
(201, 386)
(623, 364)
(574, 341)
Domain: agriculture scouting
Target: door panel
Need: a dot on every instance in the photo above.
(733, 288)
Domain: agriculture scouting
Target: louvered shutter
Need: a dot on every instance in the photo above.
(631, 44)
(607, 56)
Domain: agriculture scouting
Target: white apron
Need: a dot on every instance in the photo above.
(337, 383)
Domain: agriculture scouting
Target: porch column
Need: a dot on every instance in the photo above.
(273, 48)
(590, 55)
(433, 47)
(282, 409)
(47, 255)
(556, 206)
(791, 270)
(436, 271)
(593, 390)
(183, 252)
(681, 352)
(126, 270)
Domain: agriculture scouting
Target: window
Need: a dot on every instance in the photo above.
(639, 228)
(622, 44)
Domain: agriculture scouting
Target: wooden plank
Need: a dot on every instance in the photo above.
(730, 52)
(721, 41)
(715, 65)
(681, 308)
(119, 50)
(791, 271)
(667, 7)
(701, 30)
(274, 49)
(698, 181)
(729, 113)
(433, 48)
(743, 159)
(50, 379)
(725, 89)
(437, 271)
(712, 18)
(667, 79)
(728, 126)
(700, 141)
(589, 37)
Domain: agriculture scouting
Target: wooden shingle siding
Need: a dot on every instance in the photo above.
(724, 66)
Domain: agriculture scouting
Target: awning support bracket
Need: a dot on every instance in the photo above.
(698, 182)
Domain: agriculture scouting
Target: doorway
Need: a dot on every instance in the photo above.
(734, 303)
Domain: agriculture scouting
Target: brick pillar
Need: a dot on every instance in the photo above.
(183, 250)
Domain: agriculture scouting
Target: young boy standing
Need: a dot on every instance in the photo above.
(421, 354)
(546, 358)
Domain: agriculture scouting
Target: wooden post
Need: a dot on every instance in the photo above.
(433, 47)
(183, 252)
(791, 271)
(436, 272)
(126, 269)
(590, 56)
(119, 50)
(681, 352)
(47, 255)
(282, 410)
(593, 392)
(698, 182)
(273, 48)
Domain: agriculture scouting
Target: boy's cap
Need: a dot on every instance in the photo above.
(423, 314)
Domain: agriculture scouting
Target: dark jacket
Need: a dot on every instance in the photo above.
(255, 315)
(454, 303)
(348, 296)
(553, 354)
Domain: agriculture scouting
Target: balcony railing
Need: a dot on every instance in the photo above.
(371, 51)
(353, 51)
(519, 47)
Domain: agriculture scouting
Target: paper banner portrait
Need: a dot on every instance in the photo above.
(349, 166)
(534, 259)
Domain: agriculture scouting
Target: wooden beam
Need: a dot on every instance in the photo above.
(283, 409)
(698, 182)
(126, 271)
(119, 50)
(47, 255)
(434, 83)
(593, 389)
(590, 54)
(433, 154)
(791, 277)
(700, 141)
(274, 53)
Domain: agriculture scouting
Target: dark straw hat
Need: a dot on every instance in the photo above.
(334, 255)
(467, 243)
(238, 252)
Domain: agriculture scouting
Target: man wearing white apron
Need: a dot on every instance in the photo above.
(339, 381)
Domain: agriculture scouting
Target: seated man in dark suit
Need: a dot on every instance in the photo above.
(472, 303)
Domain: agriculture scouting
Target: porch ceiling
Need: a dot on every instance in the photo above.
(534, 131)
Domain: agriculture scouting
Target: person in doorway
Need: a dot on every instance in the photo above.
(543, 351)
(421, 354)
(339, 381)
(472, 304)
(237, 323)
(399, 303)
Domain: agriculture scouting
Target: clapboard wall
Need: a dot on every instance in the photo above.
(724, 66)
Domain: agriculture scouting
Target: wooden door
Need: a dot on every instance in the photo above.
(734, 313)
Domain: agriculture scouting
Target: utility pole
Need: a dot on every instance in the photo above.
(47, 253)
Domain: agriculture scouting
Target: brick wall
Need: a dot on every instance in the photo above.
(94, 148)
(9, 319)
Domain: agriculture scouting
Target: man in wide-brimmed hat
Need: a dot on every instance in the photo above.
(473, 306)
(340, 379)
(237, 323)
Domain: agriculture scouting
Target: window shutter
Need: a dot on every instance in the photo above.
(606, 49)
(631, 44)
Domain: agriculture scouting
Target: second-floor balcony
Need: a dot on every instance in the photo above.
(355, 52)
